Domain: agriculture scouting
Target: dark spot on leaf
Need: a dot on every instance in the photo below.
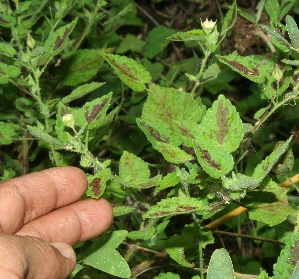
(159, 214)
(207, 157)
(234, 15)
(243, 69)
(96, 186)
(184, 131)
(59, 40)
(95, 111)
(183, 208)
(222, 122)
(153, 132)
(124, 69)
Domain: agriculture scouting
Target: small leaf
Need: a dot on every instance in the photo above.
(81, 91)
(7, 50)
(220, 266)
(59, 39)
(229, 19)
(176, 206)
(129, 71)
(7, 72)
(170, 180)
(7, 132)
(167, 275)
(122, 210)
(130, 43)
(192, 35)
(41, 134)
(7, 20)
(103, 256)
(293, 31)
(240, 181)
(80, 66)
(97, 183)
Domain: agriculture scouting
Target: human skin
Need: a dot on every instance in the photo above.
(41, 216)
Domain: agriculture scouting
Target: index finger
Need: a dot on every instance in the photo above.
(27, 197)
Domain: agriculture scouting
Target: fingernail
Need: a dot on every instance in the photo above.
(65, 249)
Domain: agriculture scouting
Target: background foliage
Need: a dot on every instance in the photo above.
(177, 120)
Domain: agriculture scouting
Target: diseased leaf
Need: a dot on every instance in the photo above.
(220, 266)
(192, 35)
(267, 164)
(229, 19)
(40, 134)
(97, 183)
(129, 71)
(80, 66)
(255, 68)
(214, 161)
(57, 40)
(293, 31)
(81, 91)
(177, 206)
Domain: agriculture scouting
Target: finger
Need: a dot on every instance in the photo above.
(30, 257)
(71, 224)
(25, 198)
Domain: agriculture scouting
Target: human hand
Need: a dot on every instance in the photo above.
(40, 217)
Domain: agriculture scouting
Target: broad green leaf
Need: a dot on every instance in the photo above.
(293, 31)
(41, 134)
(192, 35)
(157, 41)
(175, 249)
(80, 66)
(221, 126)
(267, 164)
(276, 35)
(58, 40)
(97, 183)
(103, 256)
(176, 206)
(220, 266)
(173, 153)
(214, 161)
(129, 71)
(134, 172)
(7, 132)
(81, 91)
(288, 259)
(269, 206)
(255, 68)
(7, 72)
(168, 275)
(7, 50)
(130, 43)
(170, 180)
(229, 19)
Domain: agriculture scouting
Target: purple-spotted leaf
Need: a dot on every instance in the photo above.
(214, 160)
(129, 71)
(267, 164)
(97, 183)
(192, 35)
(134, 172)
(222, 126)
(255, 68)
(57, 40)
(177, 206)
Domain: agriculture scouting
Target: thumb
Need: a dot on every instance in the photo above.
(30, 257)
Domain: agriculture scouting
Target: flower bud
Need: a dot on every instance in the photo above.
(208, 26)
(30, 41)
(69, 120)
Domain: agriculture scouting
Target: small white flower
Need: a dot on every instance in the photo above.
(69, 120)
(208, 26)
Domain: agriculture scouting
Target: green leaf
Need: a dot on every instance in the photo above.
(41, 134)
(267, 164)
(7, 72)
(97, 183)
(7, 50)
(157, 41)
(229, 19)
(168, 275)
(288, 259)
(293, 31)
(122, 210)
(214, 161)
(221, 126)
(220, 266)
(7, 132)
(286, 6)
(255, 68)
(134, 172)
(291, 62)
(192, 35)
(129, 71)
(7, 20)
(58, 40)
(170, 180)
(80, 66)
(103, 256)
(272, 8)
(240, 181)
(211, 72)
(176, 206)
(81, 91)
(130, 43)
